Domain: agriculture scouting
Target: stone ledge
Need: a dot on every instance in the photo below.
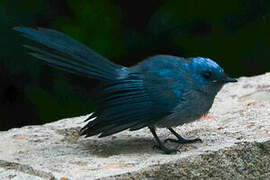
(245, 160)
(236, 145)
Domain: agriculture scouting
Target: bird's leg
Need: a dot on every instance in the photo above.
(159, 144)
(182, 140)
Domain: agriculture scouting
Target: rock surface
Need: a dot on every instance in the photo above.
(235, 134)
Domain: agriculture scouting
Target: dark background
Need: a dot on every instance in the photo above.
(235, 33)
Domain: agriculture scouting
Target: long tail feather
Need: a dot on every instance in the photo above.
(68, 54)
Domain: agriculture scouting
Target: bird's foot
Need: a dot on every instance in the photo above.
(165, 149)
(183, 141)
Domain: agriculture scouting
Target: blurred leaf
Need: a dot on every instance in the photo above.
(97, 24)
(63, 102)
(24, 6)
(73, 101)
(47, 107)
(226, 31)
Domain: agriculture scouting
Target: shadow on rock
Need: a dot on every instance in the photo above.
(112, 146)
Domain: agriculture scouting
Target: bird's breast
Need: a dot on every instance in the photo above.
(191, 107)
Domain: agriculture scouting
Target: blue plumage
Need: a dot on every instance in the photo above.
(161, 91)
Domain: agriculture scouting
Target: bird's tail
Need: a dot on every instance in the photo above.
(61, 51)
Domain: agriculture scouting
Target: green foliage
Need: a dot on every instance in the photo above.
(46, 105)
(97, 24)
(24, 7)
(74, 101)
(225, 31)
(62, 102)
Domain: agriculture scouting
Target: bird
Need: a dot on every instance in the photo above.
(162, 91)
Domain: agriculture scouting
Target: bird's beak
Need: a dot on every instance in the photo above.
(228, 79)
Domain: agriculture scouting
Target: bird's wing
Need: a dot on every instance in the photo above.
(150, 93)
(165, 80)
(124, 105)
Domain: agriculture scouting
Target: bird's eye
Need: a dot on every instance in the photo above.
(207, 75)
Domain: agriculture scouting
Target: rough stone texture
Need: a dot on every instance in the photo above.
(235, 134)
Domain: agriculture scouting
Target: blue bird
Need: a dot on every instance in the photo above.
(161, 91)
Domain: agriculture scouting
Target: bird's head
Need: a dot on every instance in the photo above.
(208, 74)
